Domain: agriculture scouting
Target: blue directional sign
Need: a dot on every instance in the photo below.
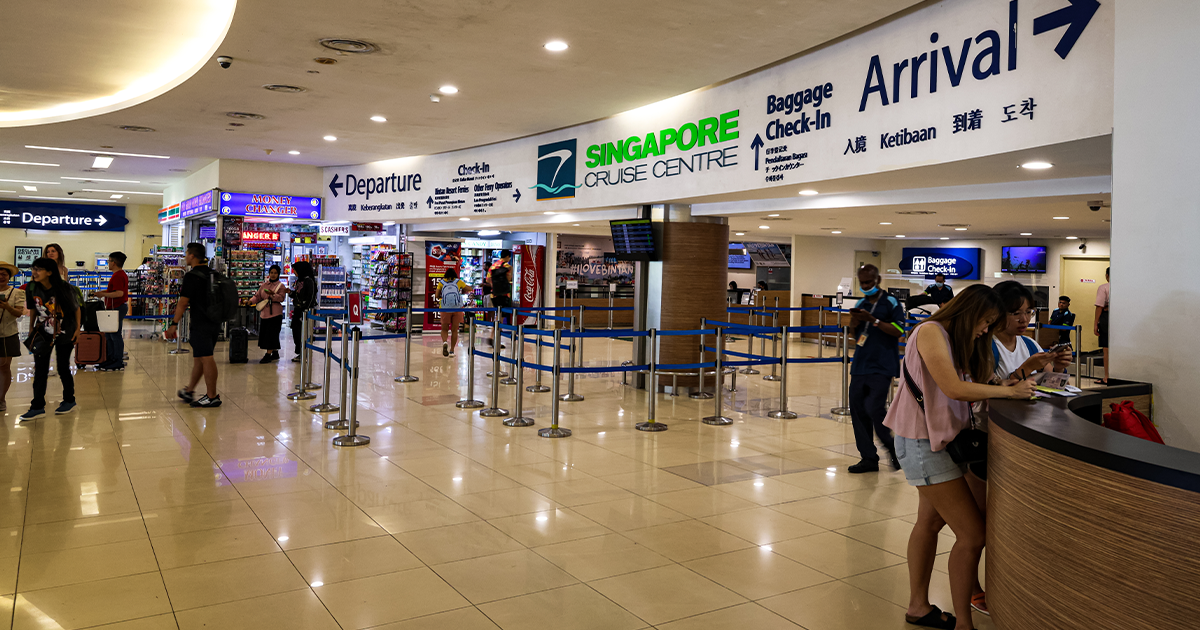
(62, 217)
(956, 263)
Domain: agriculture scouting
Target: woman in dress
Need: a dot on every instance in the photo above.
(272, 292)
(12, 307)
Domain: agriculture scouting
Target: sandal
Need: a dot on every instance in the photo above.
(935, 619)
(979, 603)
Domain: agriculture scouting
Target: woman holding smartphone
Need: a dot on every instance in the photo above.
(1016, 355)
(951, 362)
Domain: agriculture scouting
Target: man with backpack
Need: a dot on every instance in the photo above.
(451, 296)
(203, 291)
(500, 279)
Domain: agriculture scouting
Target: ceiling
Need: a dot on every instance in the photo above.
(510, 86)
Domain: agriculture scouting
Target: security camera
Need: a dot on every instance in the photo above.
(70, 192)
(224, 61)
(1095, 205)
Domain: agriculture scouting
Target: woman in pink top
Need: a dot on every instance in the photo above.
(271, 316)
(953, 359)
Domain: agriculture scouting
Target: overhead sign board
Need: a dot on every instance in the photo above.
(333, 230)
(269, 206)
(359, 226)
(169, 214)
(62, 217)
(766, 254)
(956, 263)
(259, 236)
(197, 205)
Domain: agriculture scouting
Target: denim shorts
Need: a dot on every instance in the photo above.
(922, 466)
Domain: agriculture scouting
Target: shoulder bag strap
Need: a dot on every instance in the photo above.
(912, 386)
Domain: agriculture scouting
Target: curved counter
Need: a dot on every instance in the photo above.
(1089, 528)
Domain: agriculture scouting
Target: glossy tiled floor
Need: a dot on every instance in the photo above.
(140, 512)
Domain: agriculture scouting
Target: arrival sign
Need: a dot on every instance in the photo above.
(62, 217)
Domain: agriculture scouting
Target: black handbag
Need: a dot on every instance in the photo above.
(970, 445)
(37, 343)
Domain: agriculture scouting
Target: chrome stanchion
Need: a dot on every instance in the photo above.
(469, 402)
(325, 406)
(343, 386)
(1078, 356)
(782, 413)
(407, 377)
(307, 362)
(576, 360)
(844, 409)
(749, 369)
(519, 419)
(497, 341)
(352, 438)
(652, 389)
(718, 419)
(495, 411)
(183, 321)
(537, 387)
(700, 394)
(774, 344)
(554, 431)
(511, 379)
(302, 392)
(820, 333)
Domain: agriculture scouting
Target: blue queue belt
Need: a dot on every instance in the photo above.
(756, 359)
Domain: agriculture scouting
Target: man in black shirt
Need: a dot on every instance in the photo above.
(501, 280)
(202, 333)
(939, 291)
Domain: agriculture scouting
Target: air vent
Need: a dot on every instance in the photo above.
(775, 219)
(287, 89)
(237, 124)
(325, 61)
(828, 229)
(354, 46)
(954, 225)
(137, 129)
(180, 170)
(916, 212)
(998, 235)
(93, 170)
(245, 115)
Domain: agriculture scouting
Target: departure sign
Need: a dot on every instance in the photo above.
(633, 239)
(62, 217)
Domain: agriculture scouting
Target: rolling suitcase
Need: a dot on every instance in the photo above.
(239, 345)
(90, 349)
(88, 311)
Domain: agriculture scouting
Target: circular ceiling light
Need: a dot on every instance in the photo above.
(836, 232)
(378, 119)
(1037, 166)
(293, 153)
(960, 229)
(1072, 238)
(286, 89)
(808, 192)
(899, 236)
(575, 224)
(353, 46)
(739, 234)
(330, 138)
(556, 45)
(245, 116)
(764, 227)
(448, 89)
(1061, 218)
(1026, 233)
(772, 215)
(136, 128)
(945, 238)
(548, 212)
(463, 219)
(884, 223)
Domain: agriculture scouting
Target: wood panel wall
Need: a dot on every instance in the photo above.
(695, 257)
(1072, 545)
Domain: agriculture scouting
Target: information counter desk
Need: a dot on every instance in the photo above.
(1089, 528)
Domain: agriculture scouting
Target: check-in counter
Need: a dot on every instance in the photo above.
(1088, 528)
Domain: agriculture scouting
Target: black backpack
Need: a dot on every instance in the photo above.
(222, 298)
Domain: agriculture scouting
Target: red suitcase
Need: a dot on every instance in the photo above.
(89, 349)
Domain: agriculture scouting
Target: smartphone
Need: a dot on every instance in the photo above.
(1060, 347)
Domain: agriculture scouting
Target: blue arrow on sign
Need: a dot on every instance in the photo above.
(756, 145)
(1075, 17)
(429, 201)
(517, 196)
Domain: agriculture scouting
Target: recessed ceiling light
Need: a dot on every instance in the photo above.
(772, 215)
(1061, 218)
(808, 192)
(31, 188)
(556, 45)
(1037, 166)
(739, 234)
(293, 153)
(836, 232)
(575, 224)
(126, 192)
(102, 161)
(63, 199)
(488, 232)
(8, 191)
(141, 155)
(1072, 238)
(27, 181)
(960, 229)
(97, 179)
(548, 212)
(945, 238)
(386, 223)
(448, 89)
(463, 219)
(27, 163)
(899, 236)
(885, 223)
(330, 138)
(764, 227)
(115, 196)
(1026, 233)
(378, 119)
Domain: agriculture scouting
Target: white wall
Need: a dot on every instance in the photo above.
(820, 262)
(249, 176)
(1156, 212)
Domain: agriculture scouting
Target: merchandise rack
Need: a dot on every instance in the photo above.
(246, 268)
(392, 289)
(332, 287)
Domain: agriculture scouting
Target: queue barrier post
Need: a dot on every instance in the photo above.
(495, 411)
(184, 321)
(325, 406)
(749, 369)
(469, 402)
(700, 394)
(610, 307)
(1078, 355)
(302, 392)
(306, 365)
(576, 360)
(343, 386)
(519, 419)
(512, 379)
(783, 413)
(497, 341)
(538, 387)
(652, 425)
(821, 335)
(555, 431)
(407, 377)
(844, 409)
(717, 419)
(773, 376)
(352, 438)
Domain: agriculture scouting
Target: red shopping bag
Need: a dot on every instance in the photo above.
(1130, 421)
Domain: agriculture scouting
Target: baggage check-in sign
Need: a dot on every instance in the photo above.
(62, 217)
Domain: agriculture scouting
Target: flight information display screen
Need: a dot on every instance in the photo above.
(633, 239)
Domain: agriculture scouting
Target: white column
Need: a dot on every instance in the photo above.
(551, 268)
(1156, 209)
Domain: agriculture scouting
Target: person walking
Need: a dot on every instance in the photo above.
(500, 276)
(12, 307)
(202, 333)
(947, 362)
(1103, 296)
(878, 321)
(116, 298)
(269, 300)
(51, 302)
(451, 296)
(304, 297)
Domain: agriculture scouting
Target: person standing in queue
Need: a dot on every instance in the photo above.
(1103, 296)
(878, 321)
(1062, 316)
(949, 359)
(54, 252)
(51, 302)
(271, 294)
(12, 307)
(450, 295)
(501, 280)
(202, 334)
(116, 298)
(304, 297)
(939, 291)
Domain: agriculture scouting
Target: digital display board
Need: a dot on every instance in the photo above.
(739, 258)
(1023, 259)
(633, 239)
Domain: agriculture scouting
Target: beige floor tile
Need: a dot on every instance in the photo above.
(651, 482)
(601, 557)
(174, 486)
(376, 493)
(741, 617)
(213, 545)
(502, 576)
(299, 610)
(701, 502)
(666, 594)
(352, 560)
(549, 527)
(507, 502)
(157, 622)
(762, 526)
(461, 619)
(765, 491)
(837, 606)
(892, 535)
(836, 555)
(829, 513)
(835, 479)
(322, 528)
(6, 612)
(92, 603)
(8, 575)
(405, 517)
(82, 506)
(686, 540)
(757, 572)
(892, 584)
(230, 580)
(457, 542)
(576, 607)
(85, 564)
(83, 533)
(896, 500)
(168, 521)
(582, 492)
(380, 599)
(630, 513)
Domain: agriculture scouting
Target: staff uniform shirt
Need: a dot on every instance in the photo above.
(880, 354)
(941, 295)
(1062, 318)
(1103, 295)
(118, 282)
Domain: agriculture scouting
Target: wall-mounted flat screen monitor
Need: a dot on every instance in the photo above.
(1023, 259)
(739, 258)
(633, 239)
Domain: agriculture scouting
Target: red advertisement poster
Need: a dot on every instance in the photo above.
(439, 257)
(532, 260)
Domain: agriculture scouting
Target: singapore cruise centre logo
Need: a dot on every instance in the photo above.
(556, 170)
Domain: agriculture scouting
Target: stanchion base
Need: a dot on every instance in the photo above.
(180, 351)
(537, 389)
(748, 371)
(554, 432)
(301, 396)
(338, 425)
(840, 411)
(502, 374)
(508, 381)
(470, 404)
(718, 421)
(571, 397)
(311, 386)
(351, 440)
(700, 396)
(783, 414)
(324, 408)
(406, 379)
(518, 422)
(772, 377)
(650, 426)
(494, 412)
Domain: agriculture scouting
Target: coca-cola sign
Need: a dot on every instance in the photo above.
(533, 260)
